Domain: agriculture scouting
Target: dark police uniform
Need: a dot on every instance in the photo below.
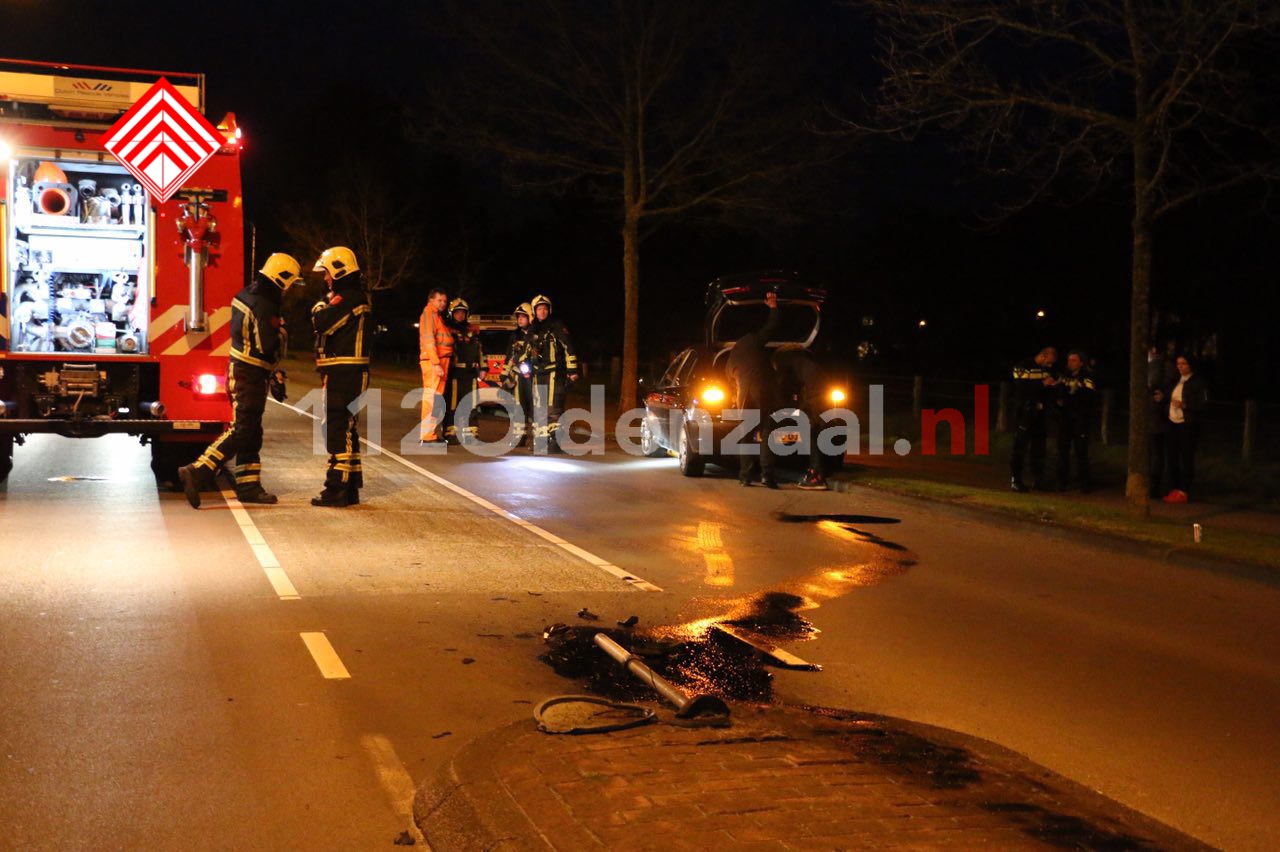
(1034, 403)
(257, 334)
(1076, 395)
(342, 359)
(552, 359)
(463, 378)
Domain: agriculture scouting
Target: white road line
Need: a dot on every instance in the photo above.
(393, 778)
(585, 555)
(326, 658)
(266, 558)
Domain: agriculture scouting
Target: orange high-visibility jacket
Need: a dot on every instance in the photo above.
(435, 340)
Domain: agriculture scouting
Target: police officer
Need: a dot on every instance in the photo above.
(257, 334)
(1034, 390)
(750, 369)
(554, 364)
(1076, 395)
(342, 358)
(464, 369)
(519, 381)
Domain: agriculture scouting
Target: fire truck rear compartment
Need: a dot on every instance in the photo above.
(76, 257)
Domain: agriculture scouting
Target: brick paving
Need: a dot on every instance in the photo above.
(776, 779)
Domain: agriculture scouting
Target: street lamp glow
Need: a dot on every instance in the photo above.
(1039, 314)
(923, 323)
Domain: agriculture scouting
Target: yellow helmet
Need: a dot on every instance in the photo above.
(540, 300)
(459, 305)
(523, 308)
(338, 261)
(282, 269)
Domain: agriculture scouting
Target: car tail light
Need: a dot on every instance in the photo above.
(712, 395)
(837, 396)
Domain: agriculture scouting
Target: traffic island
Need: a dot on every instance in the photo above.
(782, 778)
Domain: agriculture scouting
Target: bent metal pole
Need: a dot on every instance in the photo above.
(686, 706)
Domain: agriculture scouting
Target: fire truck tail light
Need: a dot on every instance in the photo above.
(208, 384)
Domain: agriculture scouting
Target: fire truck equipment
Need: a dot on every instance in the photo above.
(54, 199)
(199, 230)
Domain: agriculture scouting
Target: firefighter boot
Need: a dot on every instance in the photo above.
(255, 493)
(195, 478)
(353, 496)
(335, 498)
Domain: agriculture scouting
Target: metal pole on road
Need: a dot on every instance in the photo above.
(686, 707)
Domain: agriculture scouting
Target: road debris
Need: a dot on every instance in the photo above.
(587, 615)
(687, 706)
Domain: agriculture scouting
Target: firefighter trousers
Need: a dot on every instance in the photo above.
(548, 404)
(523, 393)
(342, 387)
(433, 398)
(462, 381)
(247, 387)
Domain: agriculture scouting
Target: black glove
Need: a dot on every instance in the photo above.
(277, 386)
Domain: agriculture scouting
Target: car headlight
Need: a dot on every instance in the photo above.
(837, 396)
(712, 395)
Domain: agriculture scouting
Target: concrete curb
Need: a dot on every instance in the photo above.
(466, 806)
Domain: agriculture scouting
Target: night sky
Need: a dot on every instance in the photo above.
(891, 227)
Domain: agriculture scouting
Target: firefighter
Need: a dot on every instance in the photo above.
(435, 353)
(516, 373)
(257, 334)
(554, 364)
(464, 369)
(1034, 386)
(1076, 394)
(750, 369)
(342, 358)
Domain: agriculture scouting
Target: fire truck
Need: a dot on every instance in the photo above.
(114, 309)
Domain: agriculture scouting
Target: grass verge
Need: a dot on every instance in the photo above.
(1062, 510)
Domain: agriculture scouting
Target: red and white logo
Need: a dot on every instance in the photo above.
(162, 140)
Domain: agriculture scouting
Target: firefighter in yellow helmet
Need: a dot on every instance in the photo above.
(257, 342)
(342, 358)
(464, 370)
(554, 364)
(517, 372)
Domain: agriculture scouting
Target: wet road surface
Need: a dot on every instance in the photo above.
(174, 678)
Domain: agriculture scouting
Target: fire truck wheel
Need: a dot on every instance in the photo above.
(6, 457)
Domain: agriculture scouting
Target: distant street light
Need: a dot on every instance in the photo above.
(923, 323)
(1039, 314)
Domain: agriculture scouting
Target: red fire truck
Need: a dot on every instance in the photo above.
(114, 309)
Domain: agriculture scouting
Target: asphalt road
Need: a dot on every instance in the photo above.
(173, 679)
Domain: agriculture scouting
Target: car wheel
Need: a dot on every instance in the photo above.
(691, 462)
(648, 443)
